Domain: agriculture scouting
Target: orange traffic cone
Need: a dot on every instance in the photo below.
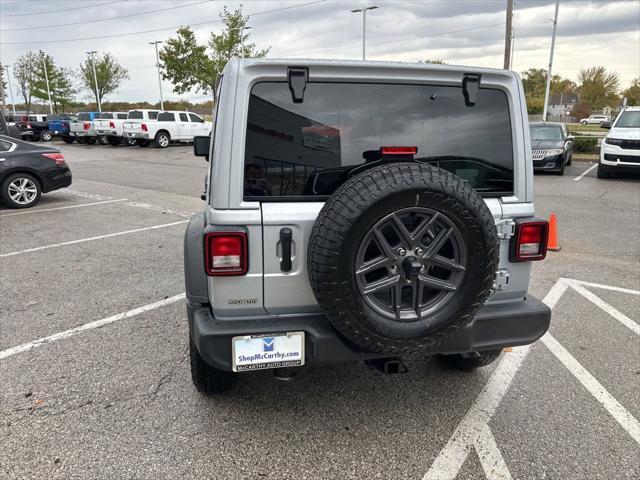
(553, 234)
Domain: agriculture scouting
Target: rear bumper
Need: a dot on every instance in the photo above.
(82, 134)
(495, 326)
(108, 133)
(55, 178)
(144, 136)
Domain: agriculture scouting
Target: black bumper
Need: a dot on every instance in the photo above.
(549, 164)
(495, 326)
(55, 178)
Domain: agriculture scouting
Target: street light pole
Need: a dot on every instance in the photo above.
(364, 26)
(46, 78)
(159, 76)
(95, 78)
(13, 102)
(549, 73)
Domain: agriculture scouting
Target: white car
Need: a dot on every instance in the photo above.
(109, 125)
(171, 126)
(620, 149)
(595, 120)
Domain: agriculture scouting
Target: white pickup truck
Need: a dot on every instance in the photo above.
(131, 127)
(171, 126)
(109, 125)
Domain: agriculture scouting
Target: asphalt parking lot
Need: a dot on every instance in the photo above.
(95, 376)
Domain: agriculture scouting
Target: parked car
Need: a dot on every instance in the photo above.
(132, 127)
(620, 150)
(8, 129)
(59, 126)
(34, 127)
(171, 126)
(419, 237)
(110, 125)
(595, 120)
(28, 170)
(82, 128)
(552, 147)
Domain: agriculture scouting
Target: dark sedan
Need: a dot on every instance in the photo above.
(552, 147)
(28, 170)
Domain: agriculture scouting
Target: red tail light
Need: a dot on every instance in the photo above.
(28, 125)
(143, 126)
(530, 241)
(58, 157)
(226, 253)
(86, 125)
(112, 124)
(398, 150)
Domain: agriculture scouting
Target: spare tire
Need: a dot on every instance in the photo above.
(402, 256)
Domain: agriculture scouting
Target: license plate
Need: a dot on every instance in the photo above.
(271, 350)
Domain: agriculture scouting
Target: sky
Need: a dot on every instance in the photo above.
(460, 32)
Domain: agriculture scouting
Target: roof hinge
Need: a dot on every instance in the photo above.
(470, 86)
(506, 229)
(298, 77)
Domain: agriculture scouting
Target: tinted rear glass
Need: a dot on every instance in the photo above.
(307, 149)
(166, 117)
(135, 115)
(105, 116)
(122, 116)
(83, 117)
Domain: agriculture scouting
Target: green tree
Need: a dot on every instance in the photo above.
(633, 92)
(561, 85)
(23, 73)
(598, 88)
(60, 85)
(534, 82)
(110, 75)
(188, 65)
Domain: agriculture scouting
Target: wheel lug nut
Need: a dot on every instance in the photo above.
(419, 251)
(402, 252)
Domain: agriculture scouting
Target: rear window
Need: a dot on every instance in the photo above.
(308, 149)
(122, 116)
(83, 117)
(166, 117)
(105, 116)
(134, 115)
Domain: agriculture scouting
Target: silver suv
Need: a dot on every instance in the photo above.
(362, 211)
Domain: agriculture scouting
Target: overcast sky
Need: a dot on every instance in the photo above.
(463, 32)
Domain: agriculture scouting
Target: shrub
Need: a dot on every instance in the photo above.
(585, 144)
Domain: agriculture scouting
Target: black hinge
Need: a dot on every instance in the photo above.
(298, 78)
(470, 85)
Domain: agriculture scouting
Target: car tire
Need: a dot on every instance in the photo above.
(469, 362)
(142, 142)
(45, 136)
(113, 141)
(103, 139)
(393, 289)
(130, 142)
(584, 122)
(68, 139)
(162, 140)
(570, 160)
(207, 379)
(603, 171)
(11, 186)
(560, 172)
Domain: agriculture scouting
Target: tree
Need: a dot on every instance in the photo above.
(633, 92)
(534, 82)
(189, 66)
(60, 86)
(110, 75)
(23, 73)
(598, 88)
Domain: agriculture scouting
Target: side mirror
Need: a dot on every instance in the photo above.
(606, 125)
(201, 146)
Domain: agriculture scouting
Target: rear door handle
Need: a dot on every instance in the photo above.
(285, 241)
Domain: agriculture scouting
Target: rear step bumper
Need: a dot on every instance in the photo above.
(495, 326)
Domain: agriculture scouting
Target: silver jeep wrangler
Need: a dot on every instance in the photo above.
(362, 211)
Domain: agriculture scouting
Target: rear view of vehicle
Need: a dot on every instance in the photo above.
(59, 126)
(620, 150)
(111, 125)
(135, 128)
(362, 211)
(82, 129)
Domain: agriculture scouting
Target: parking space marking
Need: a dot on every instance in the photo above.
(490, 457)
(582, 175)
(156, 208)
(77, 193)
(90, 239)
(25, 347)
(618, 315)
(595, 388)
(63, 208)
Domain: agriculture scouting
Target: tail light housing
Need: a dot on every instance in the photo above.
(143, 127)
(226, 253)
(112, 124)
(58, 157)
(65, 124)
(86, 125)
(529, 241)
(28, 125)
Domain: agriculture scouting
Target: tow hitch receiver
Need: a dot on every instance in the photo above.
(388, 366)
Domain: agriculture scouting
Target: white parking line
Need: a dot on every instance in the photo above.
(90, 239)
(595, 388)
(62, 208)
(621, 317)
(581, 176)
(25, 347)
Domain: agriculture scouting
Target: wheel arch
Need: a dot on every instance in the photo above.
(29, 171)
